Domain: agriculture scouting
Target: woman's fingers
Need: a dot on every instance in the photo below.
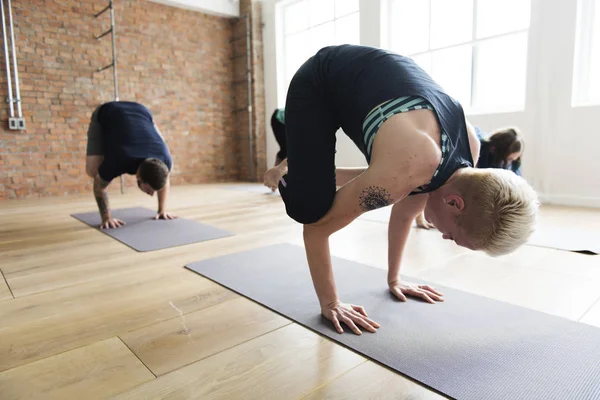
(398, 293)
(359, 309)
(434, 296)
(424, 296)
(359, 315)
(354, 317)
(364, 322)
(415, 292)
(370, 322)
(336, 323)
(430, 289)
(351, 325)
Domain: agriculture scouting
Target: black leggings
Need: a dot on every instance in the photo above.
(308, 188)
(279, 132)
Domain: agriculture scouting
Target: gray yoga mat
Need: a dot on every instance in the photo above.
(569, 239)
(142, 233)
(468, 347)
(252, 187)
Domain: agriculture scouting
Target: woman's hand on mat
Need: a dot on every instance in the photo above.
(351, 315)
(425, 292)
(165, 215)
(423, 223)
(111, 223)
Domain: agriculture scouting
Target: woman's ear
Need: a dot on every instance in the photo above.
(455, 201)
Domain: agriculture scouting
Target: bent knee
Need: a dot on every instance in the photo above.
(306, 210)
(91, 172)
(92, 163)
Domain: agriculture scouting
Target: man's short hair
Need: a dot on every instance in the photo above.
(154, 172)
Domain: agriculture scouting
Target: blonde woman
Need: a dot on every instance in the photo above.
(420, 153)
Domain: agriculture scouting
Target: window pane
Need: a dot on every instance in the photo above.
(295, 17)
(594, 86)
(451, 22)
(320, 11)
(321, 36)
(296, 53)
(424, 61)
(451, 69)
(495, 17)
(500, 73)
(347, 30)
(345, 7)
(409, 25)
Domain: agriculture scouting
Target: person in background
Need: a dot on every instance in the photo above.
(123, 139)
(278, 127)
(503, 149)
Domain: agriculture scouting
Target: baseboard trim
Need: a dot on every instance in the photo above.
(568, 200)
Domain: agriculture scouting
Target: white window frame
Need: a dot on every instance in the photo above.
(581, 95)
(282, 81)
(474, 42)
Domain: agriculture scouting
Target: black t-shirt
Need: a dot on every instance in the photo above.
(129, 137)
(356, 79)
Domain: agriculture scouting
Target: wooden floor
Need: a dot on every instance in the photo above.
(82, 316)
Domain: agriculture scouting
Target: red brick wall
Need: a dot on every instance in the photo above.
(176, 62)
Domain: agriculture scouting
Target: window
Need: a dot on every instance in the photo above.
(475, 49)
(309, 25)
(586, 76)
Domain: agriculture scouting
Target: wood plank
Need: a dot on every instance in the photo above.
(285, 364)
(370, 381)
(42, 325)
(5, 293)
(93, 372)
(77, 259)
(175, 343)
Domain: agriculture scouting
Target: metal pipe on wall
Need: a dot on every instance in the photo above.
(116, 82)
(8, 74)
(249, 78)
(114, 61)
(114, 49)
(14, 56)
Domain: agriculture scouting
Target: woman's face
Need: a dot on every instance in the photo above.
(512, 157)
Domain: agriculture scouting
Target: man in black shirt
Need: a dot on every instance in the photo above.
(123, 139)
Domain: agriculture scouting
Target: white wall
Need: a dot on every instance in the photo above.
(562, 142)
(223, 8)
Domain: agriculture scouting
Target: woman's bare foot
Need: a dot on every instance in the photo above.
(422, 222)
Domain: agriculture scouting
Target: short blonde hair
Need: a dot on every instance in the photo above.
(500, 209)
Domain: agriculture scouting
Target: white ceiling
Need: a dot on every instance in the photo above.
(223, 8)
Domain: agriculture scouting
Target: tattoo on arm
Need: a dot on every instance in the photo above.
(374, 197)
(101, 196)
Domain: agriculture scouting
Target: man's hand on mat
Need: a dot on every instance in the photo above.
(165, 215)
(425, 292)
(423, 223)
(351, 315)
(112, 223)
